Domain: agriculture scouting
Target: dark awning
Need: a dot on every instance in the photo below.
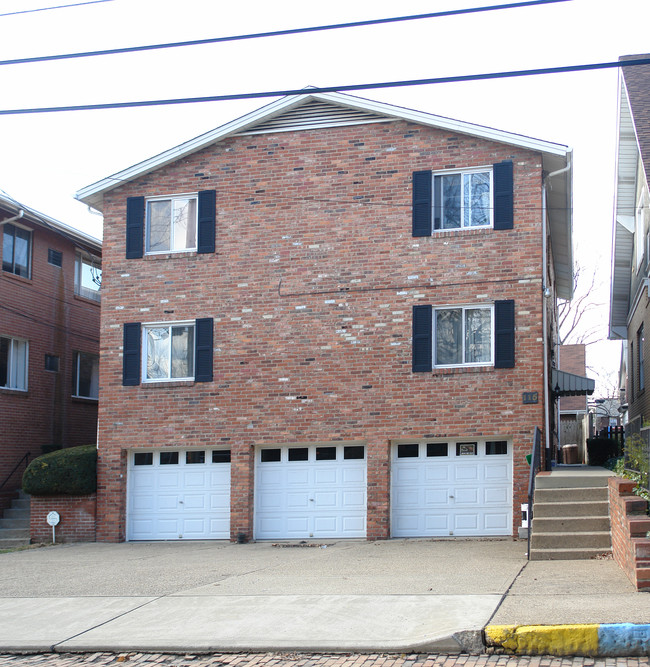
(567, 384)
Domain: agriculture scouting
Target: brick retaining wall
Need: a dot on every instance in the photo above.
(77, 514)
(630, 524)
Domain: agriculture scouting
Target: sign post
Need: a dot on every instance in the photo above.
(53, 519)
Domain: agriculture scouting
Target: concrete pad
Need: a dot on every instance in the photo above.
(312, 623)
(39, 624)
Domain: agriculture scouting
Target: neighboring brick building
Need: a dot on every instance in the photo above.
(629, 319)
(307, 332)
(49, 338)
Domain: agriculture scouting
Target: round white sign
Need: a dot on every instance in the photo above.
(53, 518)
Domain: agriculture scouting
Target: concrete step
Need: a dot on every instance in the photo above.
(599, 539)
(571, 494)
(20, 503)
(563, 524)
(14, 523)
(566, 554)
(12, 533)
(13, 513)
(573, 476)
(571, 509)
(12, 543)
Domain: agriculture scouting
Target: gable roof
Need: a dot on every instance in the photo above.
(15, 209)
(317, 110)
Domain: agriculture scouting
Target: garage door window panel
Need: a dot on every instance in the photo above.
(143, 459)
(298, 454)
(168, 458)
(326, 453)
(437, 449)
(194, 457)
(220, 456)
(408, 451)
(270, 455)
(496, 448)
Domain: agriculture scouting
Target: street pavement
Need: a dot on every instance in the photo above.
(404, 596)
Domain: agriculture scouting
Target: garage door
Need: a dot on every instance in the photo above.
(452, 488)
(310, 492)
(178, 495)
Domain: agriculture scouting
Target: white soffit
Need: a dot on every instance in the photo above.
(627, 156)
(355, 110)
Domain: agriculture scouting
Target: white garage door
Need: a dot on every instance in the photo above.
(178, 495)
(310, 492)
(452, 488)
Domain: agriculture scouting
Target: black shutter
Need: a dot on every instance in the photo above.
(422, 338)
(422, 203)
(206, 220)
(504, 334)
(131, 354)
(503, 195)
(203, 350)
(134, 227)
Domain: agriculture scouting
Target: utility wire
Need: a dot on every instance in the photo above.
(47, 9)
(331, 89)
(276, 33)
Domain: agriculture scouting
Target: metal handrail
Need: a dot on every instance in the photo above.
(23, 459)
(535, 466)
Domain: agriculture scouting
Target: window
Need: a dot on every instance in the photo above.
(171, 224)
(55, 257)
(437, 449)
(87, 276)
(143, 459)
(195, 457)
(408, 451)
(640, 344)
(52, 363)
(169, 352)
(16, 250)
(168, 458)
(270, 455)
(463, 336)
(463, 199)
(298, 454)
(85, 375)
(496, 447)
(13, 363)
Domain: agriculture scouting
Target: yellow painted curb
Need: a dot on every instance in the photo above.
(544, 639)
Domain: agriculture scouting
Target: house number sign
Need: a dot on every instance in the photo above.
(530, 397)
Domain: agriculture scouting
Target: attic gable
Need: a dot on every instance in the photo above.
(314, 114)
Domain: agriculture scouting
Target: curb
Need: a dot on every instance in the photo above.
(592, 640)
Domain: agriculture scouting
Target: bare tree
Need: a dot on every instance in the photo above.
(578, 322)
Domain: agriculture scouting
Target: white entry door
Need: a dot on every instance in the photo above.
(452, 488)
(178, 494)
(304, 492)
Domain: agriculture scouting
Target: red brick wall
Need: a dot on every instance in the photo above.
(45, 311)
(77, 518)
(630, 524)
(311, 290)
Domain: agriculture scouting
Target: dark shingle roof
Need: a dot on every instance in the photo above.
(637, 82)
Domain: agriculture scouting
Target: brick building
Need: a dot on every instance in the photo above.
(49, 338)
(328, 318)
(629, 317)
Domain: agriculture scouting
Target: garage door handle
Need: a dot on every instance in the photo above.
(180, 502)
(451, 496)
(311, 500)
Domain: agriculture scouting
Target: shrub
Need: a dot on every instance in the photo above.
(71, 472)
(601, 449)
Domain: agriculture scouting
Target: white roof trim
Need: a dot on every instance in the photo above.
(93, 194)
(34, 216)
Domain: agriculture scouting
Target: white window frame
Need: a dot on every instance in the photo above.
(11, 365)
(77, 362)
(463, 172)
(29, 250)
(94, 262)
(463, 308)
(171, 199)
(170, 325)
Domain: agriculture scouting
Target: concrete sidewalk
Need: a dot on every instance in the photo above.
(406, 595)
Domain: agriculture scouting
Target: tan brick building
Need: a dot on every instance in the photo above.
(49, 338)
(329, 318)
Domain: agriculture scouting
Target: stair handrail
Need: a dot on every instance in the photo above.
(535, 466)
(24, 459)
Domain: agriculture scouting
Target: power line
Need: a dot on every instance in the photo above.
(47, 9)
(331, 89)
(275, 33)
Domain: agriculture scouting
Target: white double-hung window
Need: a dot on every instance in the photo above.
(168, 351)
(462, 199)
(464, 336)
(171, 224)
(13, 363)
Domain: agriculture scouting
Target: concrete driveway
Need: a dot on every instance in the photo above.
(398, 595)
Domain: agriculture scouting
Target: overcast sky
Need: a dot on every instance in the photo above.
(46, 158)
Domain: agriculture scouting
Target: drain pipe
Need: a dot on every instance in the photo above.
(21, 213)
